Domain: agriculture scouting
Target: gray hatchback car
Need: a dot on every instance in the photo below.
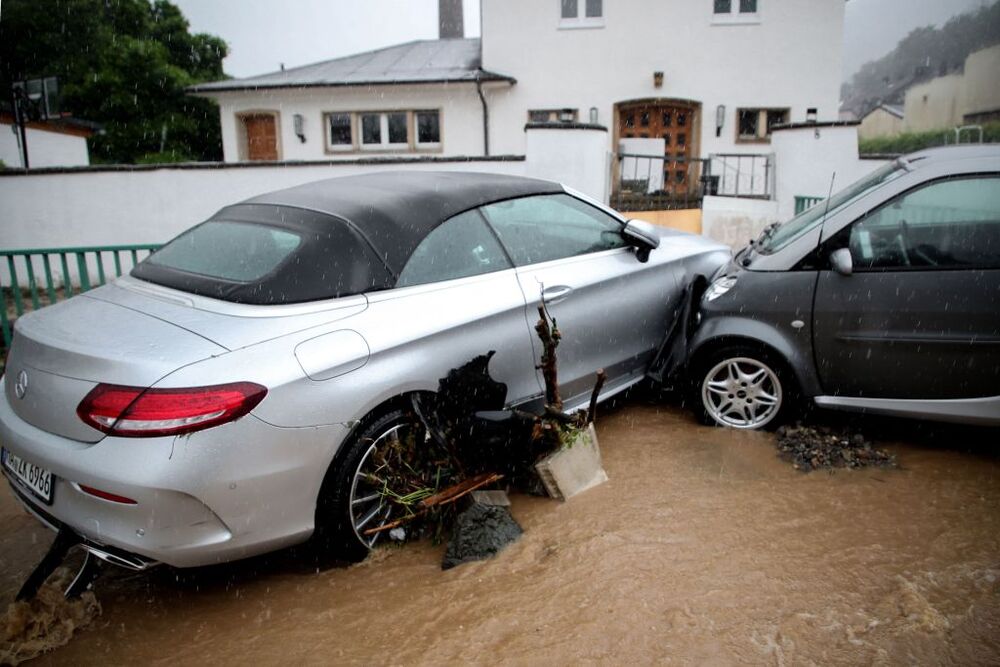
(884, 299)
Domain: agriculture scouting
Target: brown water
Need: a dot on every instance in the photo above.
(704, 548)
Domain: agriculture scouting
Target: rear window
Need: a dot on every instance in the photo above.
(236, 251)
(268, 254)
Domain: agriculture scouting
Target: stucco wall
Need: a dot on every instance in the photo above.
(933, 105)
(789, 58)
(45, 149)
(880, 123)
(806, 158)
(577, 157)
(151, 206)
(981, 86)
(461, 117)
(735, 221)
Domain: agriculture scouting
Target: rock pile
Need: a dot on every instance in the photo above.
(480, 532)
(813, 447)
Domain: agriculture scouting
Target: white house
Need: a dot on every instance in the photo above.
(53, 143)
(706, 76)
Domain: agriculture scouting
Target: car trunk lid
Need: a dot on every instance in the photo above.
(231, 325)
(63, 351)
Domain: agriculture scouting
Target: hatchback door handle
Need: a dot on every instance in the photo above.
(556, 294)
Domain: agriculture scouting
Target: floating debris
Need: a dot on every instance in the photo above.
(814, 447)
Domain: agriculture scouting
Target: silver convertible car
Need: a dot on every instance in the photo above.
(226, 397)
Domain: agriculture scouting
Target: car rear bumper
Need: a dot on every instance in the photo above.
(216, 495)
(104, 552)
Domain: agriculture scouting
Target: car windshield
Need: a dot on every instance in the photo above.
(783, 234)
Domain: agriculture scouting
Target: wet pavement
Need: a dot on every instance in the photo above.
(703, 548)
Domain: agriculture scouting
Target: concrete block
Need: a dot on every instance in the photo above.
(573, 469)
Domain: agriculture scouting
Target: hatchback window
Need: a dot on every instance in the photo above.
(460, 247)
(546, 227)
(948, 224)
(237, 251)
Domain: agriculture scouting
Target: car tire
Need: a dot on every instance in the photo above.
(743, 387)
(347, 505)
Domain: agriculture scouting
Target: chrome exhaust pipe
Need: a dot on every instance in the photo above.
(121, 559)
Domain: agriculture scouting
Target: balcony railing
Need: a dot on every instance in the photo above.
(803, 203)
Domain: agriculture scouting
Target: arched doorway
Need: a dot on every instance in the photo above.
(678, 123)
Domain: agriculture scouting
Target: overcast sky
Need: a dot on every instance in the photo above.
(262, 34)
(873, 27)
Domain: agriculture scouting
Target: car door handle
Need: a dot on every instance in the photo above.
(556, 294)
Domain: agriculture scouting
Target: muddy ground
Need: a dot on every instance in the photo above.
(704, 548)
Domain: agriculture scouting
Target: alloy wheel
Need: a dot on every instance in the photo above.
(368, 505)
(741, 392)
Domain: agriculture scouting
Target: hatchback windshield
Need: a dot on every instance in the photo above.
(810, 218)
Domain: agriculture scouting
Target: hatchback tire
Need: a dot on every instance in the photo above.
(743, 387)
(350, 501)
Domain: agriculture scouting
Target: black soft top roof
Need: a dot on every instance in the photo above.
(395, 210)
(358, 232)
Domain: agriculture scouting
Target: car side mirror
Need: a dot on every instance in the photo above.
(643, 236)
(841, 261)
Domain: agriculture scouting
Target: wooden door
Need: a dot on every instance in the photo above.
(675, 124)
(262, 137)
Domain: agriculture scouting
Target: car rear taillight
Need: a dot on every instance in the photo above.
(135, 412)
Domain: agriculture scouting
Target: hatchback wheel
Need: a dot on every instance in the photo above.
(353, 498)
(742, 388)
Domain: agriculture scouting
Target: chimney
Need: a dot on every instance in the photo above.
(450, 19)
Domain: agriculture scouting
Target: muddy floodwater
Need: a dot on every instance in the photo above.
(704, 548)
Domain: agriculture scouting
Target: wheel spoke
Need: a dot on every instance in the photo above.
(368, 517)
(766, 399)
(726, 408)
(365, 499)
(734, 371)
(758, 378)
(718, 387)
(375, 536)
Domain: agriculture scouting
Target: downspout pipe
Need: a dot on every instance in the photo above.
(486, 118)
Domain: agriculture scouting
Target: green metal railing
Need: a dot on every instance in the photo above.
(66, 271)
(804, 203)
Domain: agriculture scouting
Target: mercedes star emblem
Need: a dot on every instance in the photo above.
(21, 386)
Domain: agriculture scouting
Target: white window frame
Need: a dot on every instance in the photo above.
(582, 21)
(426, 145)
(384, 144)
(412, 145)
(339, 148)
(735, 16)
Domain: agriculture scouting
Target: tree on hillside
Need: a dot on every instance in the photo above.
(124, 64)
(923, 54)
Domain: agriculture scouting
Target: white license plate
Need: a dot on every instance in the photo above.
(37, 479)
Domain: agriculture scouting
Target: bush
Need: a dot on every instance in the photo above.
(914, 141)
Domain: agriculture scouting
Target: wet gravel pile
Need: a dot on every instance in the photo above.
(814, 447)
